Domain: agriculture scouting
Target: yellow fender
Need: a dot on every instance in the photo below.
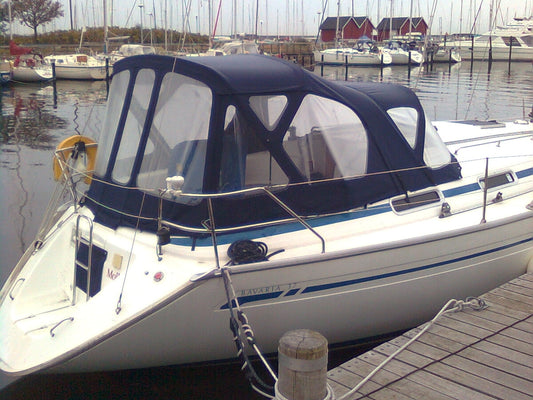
(64, 151)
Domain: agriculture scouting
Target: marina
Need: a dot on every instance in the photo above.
(416, 81)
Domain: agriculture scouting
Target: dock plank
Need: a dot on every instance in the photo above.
(504, 353)
(476, 384)
(447, 386)
(510, 343)
(488, 373)
(469, 354)
(499, 363)
(519, 334)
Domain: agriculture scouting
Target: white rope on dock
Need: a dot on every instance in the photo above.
(451, 306)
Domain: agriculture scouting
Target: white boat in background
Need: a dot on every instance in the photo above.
(128, 50)
(365, 53)
(402, 54)
(6, 72)
(28, 66)
(246, 188)
(31, 69)
(514, 41)
(233, 47)
(79, 67)
(445, 54)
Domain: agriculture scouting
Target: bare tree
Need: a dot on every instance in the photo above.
(34, 13)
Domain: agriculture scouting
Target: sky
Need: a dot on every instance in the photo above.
(280, 17)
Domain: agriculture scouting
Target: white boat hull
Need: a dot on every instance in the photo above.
(351, 58)
(481, 53)
(447, 56)
(100, 290)
(382, 277)
(32, 74)
(388, 302)
(405, 58)
(81, 72)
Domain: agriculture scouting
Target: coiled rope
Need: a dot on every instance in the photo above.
(248, 251)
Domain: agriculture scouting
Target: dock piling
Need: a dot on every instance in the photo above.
(302, 364)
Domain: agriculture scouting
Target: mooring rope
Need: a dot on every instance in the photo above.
(240, 323)
(452, 305)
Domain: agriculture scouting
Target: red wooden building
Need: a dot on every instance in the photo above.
(350, 28)
(400, 27)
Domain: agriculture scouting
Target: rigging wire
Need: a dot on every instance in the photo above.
(118, 309)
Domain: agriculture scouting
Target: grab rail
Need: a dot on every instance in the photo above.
(59, 323)
(213, 231)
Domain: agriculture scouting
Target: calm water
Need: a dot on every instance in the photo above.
(34, 119)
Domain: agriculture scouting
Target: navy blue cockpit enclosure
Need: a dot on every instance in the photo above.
(227, 124)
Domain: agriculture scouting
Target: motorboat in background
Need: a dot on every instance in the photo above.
(364, 53)
(248, 185)
(79, 66)
(513, 41)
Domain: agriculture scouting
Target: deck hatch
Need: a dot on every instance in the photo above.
(497, 180)
(415, 201)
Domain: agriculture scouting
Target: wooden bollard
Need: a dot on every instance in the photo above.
(302, 366)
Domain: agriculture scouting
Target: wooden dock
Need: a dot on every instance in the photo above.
(467, 354)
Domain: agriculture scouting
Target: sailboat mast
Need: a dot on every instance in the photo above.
(410, 20)
(105, 26)
(10, 20)
(390, 20)
(337, 28)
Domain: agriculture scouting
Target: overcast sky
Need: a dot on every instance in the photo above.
(282, 17)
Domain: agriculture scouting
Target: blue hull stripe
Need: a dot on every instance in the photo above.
(294, 226)
(328, 286)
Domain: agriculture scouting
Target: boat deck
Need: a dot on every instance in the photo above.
(468, 354)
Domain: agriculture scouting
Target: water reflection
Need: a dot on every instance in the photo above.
(457, 91)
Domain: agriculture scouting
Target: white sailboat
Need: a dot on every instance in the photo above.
(364, 53)
(248, 189)
(80, 66)
(28, 66)
(401, 52)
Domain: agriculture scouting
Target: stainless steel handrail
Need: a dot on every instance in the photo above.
(213, 231)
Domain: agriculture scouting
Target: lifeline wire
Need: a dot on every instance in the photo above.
(119, 302)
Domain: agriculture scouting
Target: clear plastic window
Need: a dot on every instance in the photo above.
(436, 154)
(268, 109)
(245, 160)
(327, 140)
(178, 136)
(406, 119)
(131, 135)
(119, 86)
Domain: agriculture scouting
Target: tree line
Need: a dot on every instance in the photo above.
(36, 13)
(31, 13)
